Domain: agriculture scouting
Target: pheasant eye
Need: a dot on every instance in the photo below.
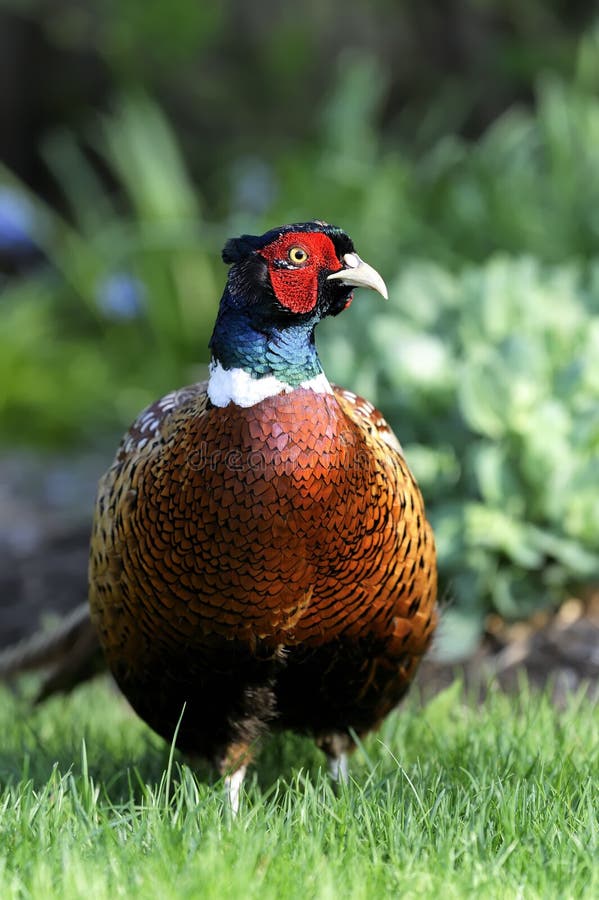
(297, 255)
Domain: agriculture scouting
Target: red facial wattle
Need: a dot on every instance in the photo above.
(296, 286)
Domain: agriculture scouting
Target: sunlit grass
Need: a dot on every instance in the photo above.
(497, 800)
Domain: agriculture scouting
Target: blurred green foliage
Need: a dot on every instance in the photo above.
(486, 360)
(491, 378)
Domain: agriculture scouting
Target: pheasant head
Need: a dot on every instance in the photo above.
(280, 285)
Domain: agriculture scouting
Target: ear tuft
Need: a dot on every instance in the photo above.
(238, 248)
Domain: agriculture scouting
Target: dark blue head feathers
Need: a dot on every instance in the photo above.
(260, 328)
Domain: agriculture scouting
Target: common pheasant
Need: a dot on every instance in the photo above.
(260, 555)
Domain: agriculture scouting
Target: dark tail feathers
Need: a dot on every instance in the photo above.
(69, 655)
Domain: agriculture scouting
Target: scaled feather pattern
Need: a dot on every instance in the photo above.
(260, 555)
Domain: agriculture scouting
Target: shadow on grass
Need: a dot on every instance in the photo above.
(92, 728)
(94, 731)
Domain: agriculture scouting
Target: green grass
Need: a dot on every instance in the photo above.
(498, 800)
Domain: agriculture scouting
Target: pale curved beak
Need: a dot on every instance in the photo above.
(360, 274)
